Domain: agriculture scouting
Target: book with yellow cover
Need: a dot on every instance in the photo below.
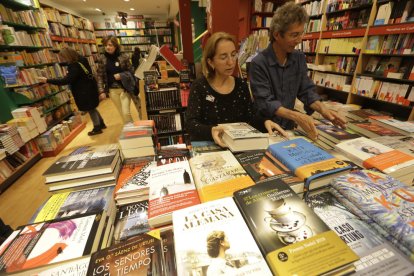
(218, 175)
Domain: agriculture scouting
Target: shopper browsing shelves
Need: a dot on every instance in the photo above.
(218, 97)
(83, 86)
(116, 77)
(279, 75)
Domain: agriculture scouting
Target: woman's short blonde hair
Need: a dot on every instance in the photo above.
(209, 51)
(69, 55)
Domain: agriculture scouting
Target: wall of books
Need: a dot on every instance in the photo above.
(361, 52)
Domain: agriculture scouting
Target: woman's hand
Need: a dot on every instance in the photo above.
(217, 134)
(42, 79)
(117, 76)
(272, 127)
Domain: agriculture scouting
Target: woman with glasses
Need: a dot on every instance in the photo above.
(219, 97)
(279, 74)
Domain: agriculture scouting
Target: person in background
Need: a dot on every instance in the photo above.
(136, 58)
(278, 75)
(116, 78)
(218, 97)
(83, 86)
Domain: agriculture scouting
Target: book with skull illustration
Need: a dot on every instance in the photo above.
(171, 188)
(294, 240)
(218, 175)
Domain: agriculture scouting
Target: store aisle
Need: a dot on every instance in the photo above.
(19, 202)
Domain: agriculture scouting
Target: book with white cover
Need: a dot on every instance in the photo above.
(242, 137)
(213, 239)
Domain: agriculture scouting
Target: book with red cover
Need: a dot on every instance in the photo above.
(169, 56)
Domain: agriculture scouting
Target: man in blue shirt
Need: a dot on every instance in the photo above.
(279, 75)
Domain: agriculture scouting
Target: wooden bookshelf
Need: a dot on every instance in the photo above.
(66, 141)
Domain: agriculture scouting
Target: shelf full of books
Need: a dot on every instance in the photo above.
(370, 41)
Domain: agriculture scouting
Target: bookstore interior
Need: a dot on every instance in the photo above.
(207, 137)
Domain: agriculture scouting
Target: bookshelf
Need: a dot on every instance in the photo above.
(261, 13)
(140, 33)
(355, 38)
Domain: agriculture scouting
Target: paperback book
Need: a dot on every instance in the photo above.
(131, 220)
(384, 199)
(171, 188)
(309, 162)
(50, 242)
(213, 239)
(287, 230)
(218, 175)
(360, 237)
(170, 263)
(140, 255)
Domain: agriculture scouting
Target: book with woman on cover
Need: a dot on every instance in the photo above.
(212, 239)
(383, 198)
(294, 240)
(377, 255)
(140, 255)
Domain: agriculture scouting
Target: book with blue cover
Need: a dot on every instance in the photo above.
(389, 202)
(308, 161)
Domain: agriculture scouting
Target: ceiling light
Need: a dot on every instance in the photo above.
(132, 9)
(98, 9)
(126, 0)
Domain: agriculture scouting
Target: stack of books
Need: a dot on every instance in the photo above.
(138, 138)
(242, 137)
(94, 168)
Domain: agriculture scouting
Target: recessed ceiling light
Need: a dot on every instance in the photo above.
(126, 0)
(132, 9)
(98, 9)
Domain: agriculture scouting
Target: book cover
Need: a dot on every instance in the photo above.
(50, 242)
(73, 203)
(371, 130)
(294, 240)
(170, 263)
(370, 154)
(131, 220)
(79, 165)
(306, 160)
(198, 147)
(138, 256)
(402, 143)
(218, 175)
(171, 188)
(335, 133)
(242, 131)
(242, 137)
(386, 200)
(213, 239)
(405, 128)
(134, 176)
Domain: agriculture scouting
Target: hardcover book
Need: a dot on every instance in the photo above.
(81, 165)
(170, 263)
(218, 175)
(309, 162)
(334, 133)
(140, 255)
(405, 128)
(213, 239)
(360, 237)
(242, 137)
(371, 130)
(131, 220)
(402, 143)
(386, 200)
(287, 230)
(171, 188)
(50, 242)
(369, 154)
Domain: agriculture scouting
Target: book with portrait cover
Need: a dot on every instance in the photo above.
(369, 154)
(309, 162)
(360, 237)
(81, 165)
(384, 199)
(170, 264)
(78, 202)
(218, 175)
(140, 255)
(50, 242)
(334, 133)
(171, 188)
(131, 220)
(212, 239)
(290, 235)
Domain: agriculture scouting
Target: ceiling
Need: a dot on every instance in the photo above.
(109, 8)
